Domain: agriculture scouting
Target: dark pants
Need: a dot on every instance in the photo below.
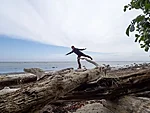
(78, 59)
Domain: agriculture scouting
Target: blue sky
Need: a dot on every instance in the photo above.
(12, 49)
(44, 30)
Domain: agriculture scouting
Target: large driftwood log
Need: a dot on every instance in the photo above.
(42, 92)
(16, 79)
(30, 75)
(112, 87)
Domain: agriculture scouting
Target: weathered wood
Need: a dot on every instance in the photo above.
(41, 74)
(111, 87)
(38, 72)
(16, 79)
(42, 92)
(30, 75)
(75, 86)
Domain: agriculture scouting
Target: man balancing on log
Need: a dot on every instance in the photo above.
(79, 53)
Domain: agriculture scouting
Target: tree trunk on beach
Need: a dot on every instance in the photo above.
(16, 79)
(35, 96)
(30, 75)
(71, 85)
(112, 87)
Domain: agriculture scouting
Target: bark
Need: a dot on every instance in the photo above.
(36, 95)
(76, 86)
(112, 87)
(16, 79)
(30, 75)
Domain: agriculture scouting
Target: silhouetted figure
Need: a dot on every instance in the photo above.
(79, 53)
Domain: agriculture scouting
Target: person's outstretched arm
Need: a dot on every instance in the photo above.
(69, 53)
(82, 49)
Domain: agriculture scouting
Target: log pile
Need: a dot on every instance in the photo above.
(120, 90)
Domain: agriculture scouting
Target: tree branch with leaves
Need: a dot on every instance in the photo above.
(141, 24)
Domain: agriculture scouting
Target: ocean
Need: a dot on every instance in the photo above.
(15, 67)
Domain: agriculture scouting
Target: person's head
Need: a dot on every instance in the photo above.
(72, 47)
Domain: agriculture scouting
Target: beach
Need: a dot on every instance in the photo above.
(89, 106)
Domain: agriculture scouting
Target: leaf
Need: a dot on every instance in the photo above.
(142, 45)
(146, 48)
(132, 28)
(139, 18)
(125, 8)
(136, 39)
(136, 35)
(147, 5)
(141, 38)
(127, 30)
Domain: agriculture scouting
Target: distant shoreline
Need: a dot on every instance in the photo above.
(64, 61)
(17, 67)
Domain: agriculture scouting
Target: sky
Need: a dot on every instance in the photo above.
(44, 30)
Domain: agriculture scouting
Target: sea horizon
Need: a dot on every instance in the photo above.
(18, 66)
(75, 61)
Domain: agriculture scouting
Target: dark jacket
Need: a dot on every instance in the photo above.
(76, 51)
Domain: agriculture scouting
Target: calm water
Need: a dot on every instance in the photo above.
(11, 67)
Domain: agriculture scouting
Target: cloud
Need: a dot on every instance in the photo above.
(98, 25)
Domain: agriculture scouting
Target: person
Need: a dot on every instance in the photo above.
(79, 54)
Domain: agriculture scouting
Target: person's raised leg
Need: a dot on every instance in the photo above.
(87, 56)
(79, 64)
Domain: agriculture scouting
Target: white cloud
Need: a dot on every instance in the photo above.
(98, 25)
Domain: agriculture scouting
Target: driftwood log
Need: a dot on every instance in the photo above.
(30, 75)
(112, 87)
(43, 92)
(83, 85)
(16, 79)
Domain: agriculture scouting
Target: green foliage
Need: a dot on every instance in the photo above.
(141, 24)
